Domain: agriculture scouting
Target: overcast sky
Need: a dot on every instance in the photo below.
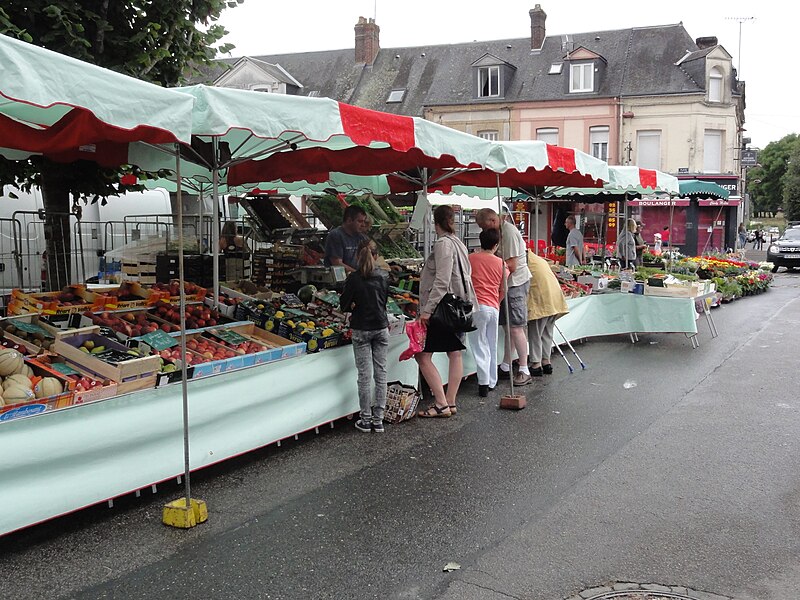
(773, 98)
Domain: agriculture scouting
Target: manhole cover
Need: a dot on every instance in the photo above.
(643, 591)
(642, 596)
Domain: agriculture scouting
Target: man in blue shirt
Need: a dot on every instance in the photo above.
(342, 242)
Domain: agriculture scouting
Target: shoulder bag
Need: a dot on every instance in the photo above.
(454, 313)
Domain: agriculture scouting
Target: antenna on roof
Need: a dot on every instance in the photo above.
(375, 11)
(740, 20)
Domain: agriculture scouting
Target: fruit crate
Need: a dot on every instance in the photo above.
(105, 389)
(279, 347)
(131, 294)
(30, 332)
(132, 374)
(37, 406)
(48, 303)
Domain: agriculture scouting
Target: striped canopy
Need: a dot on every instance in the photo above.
(68, 109)
(624, 181)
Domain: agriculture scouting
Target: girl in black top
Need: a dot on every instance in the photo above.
(365, 294)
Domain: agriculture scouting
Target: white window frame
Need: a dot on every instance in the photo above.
(484, 74)
(489, 134)
(598, 141)
(396, 96)
(581, 78)
(715, 85)
(712, 151)
(548, 135)
(645, 161)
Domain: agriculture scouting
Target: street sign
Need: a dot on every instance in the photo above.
(683, 169)
(749, 157)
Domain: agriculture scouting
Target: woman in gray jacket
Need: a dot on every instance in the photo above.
(626, 245)
(447, 269)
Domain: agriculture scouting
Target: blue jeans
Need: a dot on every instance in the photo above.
(370, 349)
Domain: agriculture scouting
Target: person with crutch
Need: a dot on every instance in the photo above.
(546, 303)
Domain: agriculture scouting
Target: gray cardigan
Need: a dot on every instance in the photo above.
(441, 274)
(626, 246)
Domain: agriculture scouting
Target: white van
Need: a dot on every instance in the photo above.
(101, 228)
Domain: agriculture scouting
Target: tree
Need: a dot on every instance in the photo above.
(791, 187)
(162, 41)
(765, 183)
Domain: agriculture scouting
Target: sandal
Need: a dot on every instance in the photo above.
(453, 409)
(434, 412)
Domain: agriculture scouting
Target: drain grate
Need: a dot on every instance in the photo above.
(643, 591)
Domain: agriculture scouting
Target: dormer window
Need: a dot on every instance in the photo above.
(715, 85)
(488, 82)
(581, 77)
(395, 96)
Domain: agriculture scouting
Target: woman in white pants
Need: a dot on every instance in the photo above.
(488, 272)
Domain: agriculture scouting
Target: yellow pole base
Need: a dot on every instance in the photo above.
(177, 514)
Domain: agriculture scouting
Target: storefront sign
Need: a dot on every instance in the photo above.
(659, 202)
(749, 158)
(719, 202)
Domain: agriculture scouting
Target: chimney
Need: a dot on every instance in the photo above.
(538, 17)
(706, 42)
(367, 41)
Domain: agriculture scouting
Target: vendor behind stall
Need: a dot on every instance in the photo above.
(342, 242)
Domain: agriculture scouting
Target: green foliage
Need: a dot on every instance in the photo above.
(765, 183)
(791, 187)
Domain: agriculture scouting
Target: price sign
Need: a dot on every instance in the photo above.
(64, 369)
(226, 335)
(159, 340)
(32, 328)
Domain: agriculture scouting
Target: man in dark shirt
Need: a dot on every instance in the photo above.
(342, 242)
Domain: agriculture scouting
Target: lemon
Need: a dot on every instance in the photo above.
(269, 325)
(327, 332)
(278, 314)
(290, 323)
(312, 344)
(310, 324)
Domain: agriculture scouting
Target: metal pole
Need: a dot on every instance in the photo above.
(200, 228)
(184, 374)
(215, 227)
(507, 330)
(536, 243)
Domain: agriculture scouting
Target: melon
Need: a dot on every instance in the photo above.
(17, 379)
(49, 386)
(26, 370)
(14, 394)
(306, 293)
(10, 361)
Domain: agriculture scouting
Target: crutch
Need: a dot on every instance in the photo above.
(569, 366)
(583, 366)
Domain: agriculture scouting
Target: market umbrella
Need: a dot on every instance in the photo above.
(68, 110)
(234, 128)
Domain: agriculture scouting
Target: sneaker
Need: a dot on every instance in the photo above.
(378, 427)
(483, 391)
(503, 374)
(362, 425)
(537, 371)
(547, 369)
(523, 379)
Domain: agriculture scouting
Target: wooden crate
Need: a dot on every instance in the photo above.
(144, 368)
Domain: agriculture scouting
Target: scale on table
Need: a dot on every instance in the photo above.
(319, 274)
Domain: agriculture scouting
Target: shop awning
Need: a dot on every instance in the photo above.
(624, 183)
(694, 188)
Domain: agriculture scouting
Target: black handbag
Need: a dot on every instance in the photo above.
(454, 313)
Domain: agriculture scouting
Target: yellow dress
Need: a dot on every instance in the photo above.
(545, 298)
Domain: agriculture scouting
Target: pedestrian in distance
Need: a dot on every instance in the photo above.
(488, 273)
(364, 296)
(546, 303)
(574, 243)
(513, 251)
(626, 245)
(641, 245)
(447, 270)
(742, 236)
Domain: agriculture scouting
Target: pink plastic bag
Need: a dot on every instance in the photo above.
(416, 332)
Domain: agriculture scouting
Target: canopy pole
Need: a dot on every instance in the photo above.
(536, 242)
(507, 342)
(669, 241)
(215, 228)
(200, 228)
(184, 375)
(427, 240)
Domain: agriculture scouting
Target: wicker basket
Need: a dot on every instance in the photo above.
(401, 402)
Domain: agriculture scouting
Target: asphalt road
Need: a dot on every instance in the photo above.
(687, 478)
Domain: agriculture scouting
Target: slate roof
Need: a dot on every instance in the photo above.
(640, 61)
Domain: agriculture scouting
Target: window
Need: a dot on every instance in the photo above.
(313, 94)
(396, 96)
(715, 85)
(581, 77)
(648, 149)
(712, 151)
(555, 68)
(488, 82)
(262, 88)
(598, 141)
(489, 134)
(548, 135)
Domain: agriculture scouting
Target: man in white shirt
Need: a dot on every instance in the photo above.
(574, 243)
(513, 251)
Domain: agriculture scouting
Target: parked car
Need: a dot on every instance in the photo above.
(785, 251)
